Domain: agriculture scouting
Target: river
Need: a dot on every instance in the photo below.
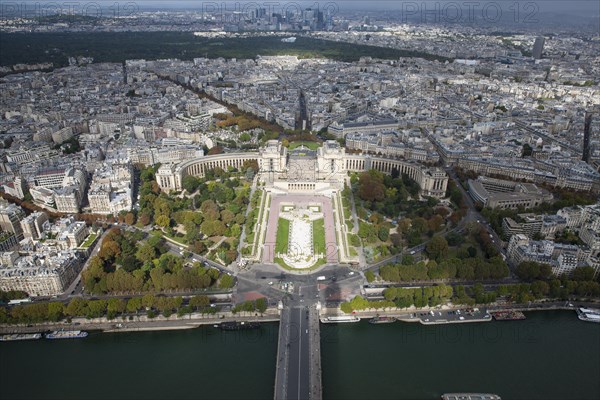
(550, 355)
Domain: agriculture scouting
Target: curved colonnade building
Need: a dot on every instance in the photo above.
(304, 171)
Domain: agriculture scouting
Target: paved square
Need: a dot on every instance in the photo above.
(305, 210)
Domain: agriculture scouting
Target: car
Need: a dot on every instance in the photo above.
(270, 283)
(461, 318)
(412, 252)
(351, 273)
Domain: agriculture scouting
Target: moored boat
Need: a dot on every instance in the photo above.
(508, 315)
(339, 319)
(238, 325)
(588, 314)
(470, 396)
(20, 336)
(66, 335)
(382, 320)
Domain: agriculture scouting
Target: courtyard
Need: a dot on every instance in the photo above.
(300, 232)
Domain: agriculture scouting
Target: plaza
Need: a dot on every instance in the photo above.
(310, 237)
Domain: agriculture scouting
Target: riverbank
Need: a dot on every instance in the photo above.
(191, 321)
(441, 314)
(138, 324)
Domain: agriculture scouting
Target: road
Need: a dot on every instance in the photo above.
(178, 249)
(298, 372)
(76, 287)
(474, 215)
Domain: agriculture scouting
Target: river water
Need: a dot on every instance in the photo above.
(550, 355)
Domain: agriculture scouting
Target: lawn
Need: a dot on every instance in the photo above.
(319, 236)
(310, 145)
(320, 261)
(88, 242)
(283, 236)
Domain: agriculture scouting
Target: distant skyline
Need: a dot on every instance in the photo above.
(543, 14)
(574, 6)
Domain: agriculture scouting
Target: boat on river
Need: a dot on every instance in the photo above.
(337, 319)
(20, 336)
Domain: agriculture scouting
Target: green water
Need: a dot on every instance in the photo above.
(202, 363)
(551, 355)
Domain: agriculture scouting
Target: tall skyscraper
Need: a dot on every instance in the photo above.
(538, 47)
(587, 127)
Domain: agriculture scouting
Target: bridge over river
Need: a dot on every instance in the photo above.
(298, 375)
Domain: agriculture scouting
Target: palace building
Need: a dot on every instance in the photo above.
(302, 170)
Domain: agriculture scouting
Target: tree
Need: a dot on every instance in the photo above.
(213, 228)
(226, 281)
(134, 304)
(115, 306)
(55, 311)
(227, 216)
(163, 221)
(540, 289)
(396, 239)
(528, 271)
(383, 233)
(370, 186)
(130, 218)
(210, 210)
(190, 183)
(419, 225)
(437, 247)
(198, 247)
(76, 307)
(109, 250)
(96, 308)
(236, 231)
(146, 253)
(148, 301)
(346, 307)
(390, 293)
(199, 302)
(370, 276)
(435, 223)
(583, 274)
(144, 219)
(261, 305)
